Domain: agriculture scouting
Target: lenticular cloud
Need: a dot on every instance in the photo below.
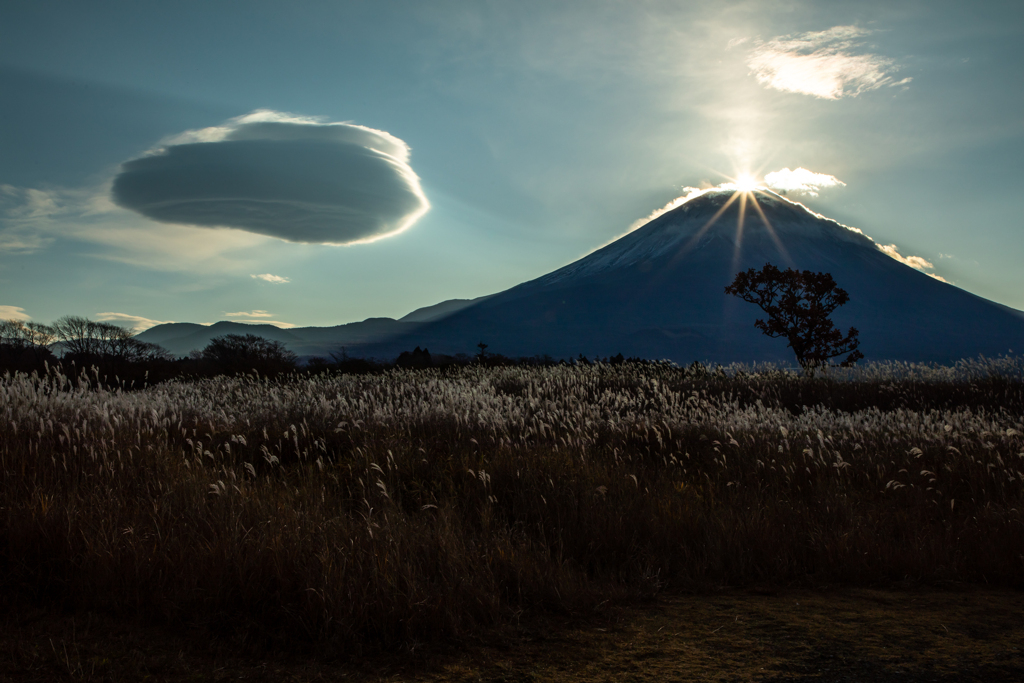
(298, 179)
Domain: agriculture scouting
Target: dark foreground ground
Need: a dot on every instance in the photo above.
(904, 634)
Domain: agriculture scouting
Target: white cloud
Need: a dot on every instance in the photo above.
(800, 181)
(822, 64)
(295, 178)
(137, 322)
(14, 313)
(275, 323)
(267, 277)
(258, 313)
(917, 262)
(256, 317)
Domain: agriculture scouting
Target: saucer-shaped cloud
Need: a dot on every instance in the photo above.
(801, 181)
(294, 178)
(823, 64)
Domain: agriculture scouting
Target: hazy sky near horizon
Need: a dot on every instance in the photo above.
(316, 163)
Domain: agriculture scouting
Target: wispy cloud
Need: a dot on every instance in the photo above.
(256, 316)
(296, 178)
(276, 323)
(917, 262)
(136, 322)
(823, 64)
(20, 242)
(21, 209)
(800, 181)
(14, 313)
(258, 313)
(32, 220)
(267, 277)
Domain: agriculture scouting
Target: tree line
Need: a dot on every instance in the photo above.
(113, 355)
(119, 357)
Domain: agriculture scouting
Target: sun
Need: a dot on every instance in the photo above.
(746, 183)
(744, 188)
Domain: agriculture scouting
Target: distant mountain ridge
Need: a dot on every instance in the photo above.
(182, 338)
(658, 292)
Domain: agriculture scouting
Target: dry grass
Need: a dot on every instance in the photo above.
(344, 511)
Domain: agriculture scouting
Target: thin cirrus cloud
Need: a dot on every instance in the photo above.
(825, 64)
(258, 313)
(31, 220)
(20, 209)
(295, 178)
(275, 279)
(136, 322)
(800, 181)
(256, 317)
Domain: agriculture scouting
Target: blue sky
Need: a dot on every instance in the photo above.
(316, 163)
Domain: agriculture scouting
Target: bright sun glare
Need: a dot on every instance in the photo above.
(744, 187)
(746, 183)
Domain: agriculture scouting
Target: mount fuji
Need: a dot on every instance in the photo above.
(658, 292)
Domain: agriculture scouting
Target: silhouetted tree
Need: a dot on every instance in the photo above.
(798, 304)
(233, 353)
(25, 335)
(417, 358)
(24, 346)
(76, 335)
(92, 341)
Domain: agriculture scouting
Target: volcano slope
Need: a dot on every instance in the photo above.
(658, 292)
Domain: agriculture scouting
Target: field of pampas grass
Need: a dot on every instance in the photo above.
(412, 506)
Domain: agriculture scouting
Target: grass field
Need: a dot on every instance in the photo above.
(334, 513)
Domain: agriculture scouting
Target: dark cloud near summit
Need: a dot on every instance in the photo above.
(292, 178)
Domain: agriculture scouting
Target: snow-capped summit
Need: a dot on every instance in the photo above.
(700, 222)
(658, 292)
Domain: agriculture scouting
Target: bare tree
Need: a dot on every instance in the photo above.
(25, 335)
(81, 336)
(76, 335)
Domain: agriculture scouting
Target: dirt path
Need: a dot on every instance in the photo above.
(965, 634)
